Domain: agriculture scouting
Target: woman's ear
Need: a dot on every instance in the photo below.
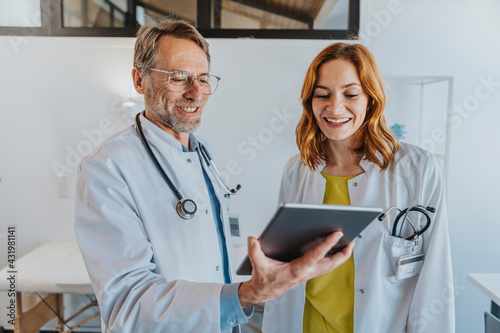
(370, 105)
(139, 81)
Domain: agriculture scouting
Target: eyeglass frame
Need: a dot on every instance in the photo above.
(191, 84)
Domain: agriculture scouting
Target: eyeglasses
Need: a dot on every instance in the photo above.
(179, 81)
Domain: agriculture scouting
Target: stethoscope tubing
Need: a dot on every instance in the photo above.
(208, 159)
(155, 161)
(404, 213)
(186, 208)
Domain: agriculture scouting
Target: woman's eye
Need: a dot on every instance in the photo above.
(322, 96)
(351, 96)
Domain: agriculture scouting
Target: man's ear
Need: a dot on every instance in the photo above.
(139, 81)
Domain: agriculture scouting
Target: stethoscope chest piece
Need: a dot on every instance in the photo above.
(186, 208)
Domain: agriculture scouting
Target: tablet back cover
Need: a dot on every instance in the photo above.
(296, 228)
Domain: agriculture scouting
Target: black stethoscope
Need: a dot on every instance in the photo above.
(404, 214)
(185, 207)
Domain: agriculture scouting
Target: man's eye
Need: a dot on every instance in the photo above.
(204, 79)
(179, 77)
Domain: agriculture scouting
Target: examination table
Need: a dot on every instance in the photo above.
(51, 270)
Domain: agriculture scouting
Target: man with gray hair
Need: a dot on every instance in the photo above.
(159, 262)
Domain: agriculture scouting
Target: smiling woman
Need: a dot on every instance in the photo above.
(348, 76)
(348, 156)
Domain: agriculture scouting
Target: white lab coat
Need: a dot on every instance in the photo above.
(381, 303)
(151, 270)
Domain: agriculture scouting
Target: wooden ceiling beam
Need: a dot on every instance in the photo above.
(278, 11)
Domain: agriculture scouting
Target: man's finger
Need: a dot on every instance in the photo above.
(348, 249)
(327, 264)
(319, 251)
(255, 252)
(340, 257)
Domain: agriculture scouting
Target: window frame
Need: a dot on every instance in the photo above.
(205, 22)
(52, 25)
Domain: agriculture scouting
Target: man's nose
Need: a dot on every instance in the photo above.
(194, 92)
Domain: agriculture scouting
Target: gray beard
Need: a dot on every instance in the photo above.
(165, 114)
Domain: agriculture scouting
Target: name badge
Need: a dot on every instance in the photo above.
(409, 265)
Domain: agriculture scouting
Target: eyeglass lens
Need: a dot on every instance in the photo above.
(182, 81)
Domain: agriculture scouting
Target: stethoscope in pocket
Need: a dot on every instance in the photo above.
(409, 264)
(186, 208)
(403, 214)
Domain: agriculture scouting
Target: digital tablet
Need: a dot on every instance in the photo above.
(296, 228)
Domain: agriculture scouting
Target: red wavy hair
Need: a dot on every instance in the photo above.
(373, 138)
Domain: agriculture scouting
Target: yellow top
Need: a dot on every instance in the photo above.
(329, 303)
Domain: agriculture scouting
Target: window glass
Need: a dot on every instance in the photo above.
(20, 13)
(335, 17)
(281, 14)
(94, 13)
(116, 14)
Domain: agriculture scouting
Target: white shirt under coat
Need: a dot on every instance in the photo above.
(381, 303)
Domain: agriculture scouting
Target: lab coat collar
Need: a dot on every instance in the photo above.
(153, 133)
(364, 163)
(368, 165)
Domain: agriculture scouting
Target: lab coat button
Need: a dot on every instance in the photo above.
(189, 160)
(206, 211)
(216, 268)
(355, 184)
(362, 291)
(359, 236)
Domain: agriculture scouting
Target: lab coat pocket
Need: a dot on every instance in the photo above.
(394, 248)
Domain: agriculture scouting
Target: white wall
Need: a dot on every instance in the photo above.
(52, 89)
(456, 38)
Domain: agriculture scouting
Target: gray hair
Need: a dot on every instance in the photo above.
(148, 36)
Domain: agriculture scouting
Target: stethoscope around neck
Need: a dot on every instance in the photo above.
(186, 208)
